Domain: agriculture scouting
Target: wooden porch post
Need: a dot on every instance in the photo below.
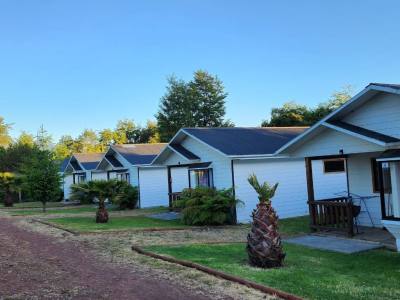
(169, 187)
(310, 191)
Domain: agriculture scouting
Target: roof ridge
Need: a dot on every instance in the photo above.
(243, 127)
(135, 144)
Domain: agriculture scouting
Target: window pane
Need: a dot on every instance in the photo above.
(200, 178)
(336, 165)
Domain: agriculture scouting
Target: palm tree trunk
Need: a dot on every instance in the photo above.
(102, 214)
(8, 200)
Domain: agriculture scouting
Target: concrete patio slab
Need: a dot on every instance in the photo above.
(332, 243)
(171, 215)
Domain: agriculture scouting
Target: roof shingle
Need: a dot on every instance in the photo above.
(246, 141)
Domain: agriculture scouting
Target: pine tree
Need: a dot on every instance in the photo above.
(198, 103)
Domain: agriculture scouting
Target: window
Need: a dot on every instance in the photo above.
(123, 177)
(387, 184)
(80, 178)
(334, 165)
(201, 177)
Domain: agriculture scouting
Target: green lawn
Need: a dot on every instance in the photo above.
(294, 226)
(18, 205)
(85, 224)
(67, 210)
(309, 273)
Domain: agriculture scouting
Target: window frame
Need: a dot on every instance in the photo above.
(210, 178)
(343, 160)
(375, 177)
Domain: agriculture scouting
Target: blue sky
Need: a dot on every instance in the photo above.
(71, 65)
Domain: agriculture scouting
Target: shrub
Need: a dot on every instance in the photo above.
(126, 195)
(207, 206)
(82, 192)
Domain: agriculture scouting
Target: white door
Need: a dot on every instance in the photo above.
(153, 185)
(179, 179)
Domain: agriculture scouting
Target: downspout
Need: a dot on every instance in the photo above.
(234, 211)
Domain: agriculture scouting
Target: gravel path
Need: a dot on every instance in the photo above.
(37, 266)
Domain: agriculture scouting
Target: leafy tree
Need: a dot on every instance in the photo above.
(43, 139)
(87, 142)
(9, 183)
(41, 178)
(106, 138)
(125, 132)
(208, 93)
(65, 147)
(198, 103)
(290, 114)
(5, 138)
(264, 246)
(336, 100)
(13, 157)
(26, 139)
(148, 134)
(176, 109)
(293, 114)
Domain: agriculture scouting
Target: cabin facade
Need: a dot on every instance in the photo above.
(365, 132)
(225, 157)
(131, 163)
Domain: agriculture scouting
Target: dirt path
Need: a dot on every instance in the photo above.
(36, 266)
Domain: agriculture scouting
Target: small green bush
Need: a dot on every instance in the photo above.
(127, 195)
(207, 206)
(82, 192)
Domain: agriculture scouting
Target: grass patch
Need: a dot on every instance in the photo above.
(86, 224)
(18, 205)
(67, 210)
(294, 226)
(309, 273)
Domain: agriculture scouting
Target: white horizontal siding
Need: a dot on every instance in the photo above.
(330, 142)
(153, 187)
(179, 179)
(99, 176)
(327, 185)
(220, 164)
(381, 113)
(291, 196)
(360, 182)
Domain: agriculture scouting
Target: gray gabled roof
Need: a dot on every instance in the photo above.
(390, 85)
(359, 99)
(365, 132)
(139, 154)
(242, 141)
(183, 151)
(88, 161)
(64, 164)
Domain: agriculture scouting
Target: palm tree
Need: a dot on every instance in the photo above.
(9, 183)
(264, 242)
(102, 190)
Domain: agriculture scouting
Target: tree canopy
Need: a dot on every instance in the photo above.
(197, 103)
(293, 114)
(5, 138)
